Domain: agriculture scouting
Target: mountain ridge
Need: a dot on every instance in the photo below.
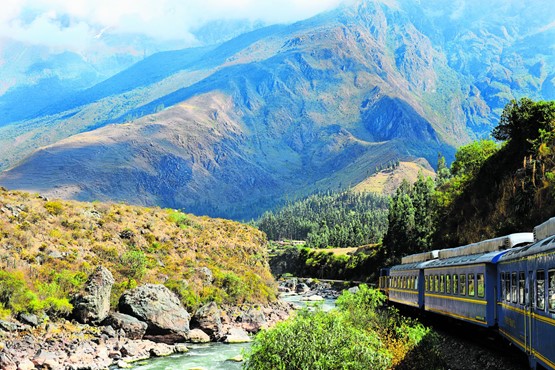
(280, 112)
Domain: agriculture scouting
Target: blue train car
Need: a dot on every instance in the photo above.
(463, 287)
(526, 300)
(405, 284)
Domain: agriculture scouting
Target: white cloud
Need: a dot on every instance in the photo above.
(73, 24)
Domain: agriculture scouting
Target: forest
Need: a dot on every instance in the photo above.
(338, 219)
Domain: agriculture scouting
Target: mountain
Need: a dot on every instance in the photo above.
(278, 113)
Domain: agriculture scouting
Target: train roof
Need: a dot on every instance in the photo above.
(543, 246)
(489, 257)
(410, 266)
(544, 230)
(419, 257)
(490, 245)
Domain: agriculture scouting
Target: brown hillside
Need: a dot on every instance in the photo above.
(48, 240)
(387, 181)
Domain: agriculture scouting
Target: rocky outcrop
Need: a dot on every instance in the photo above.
(160, 308)
(208, 319)
(93, 306)
(131, 326)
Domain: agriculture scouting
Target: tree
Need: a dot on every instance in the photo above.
(469, 158)
(401, 221)
(443, 172)
(521, 121)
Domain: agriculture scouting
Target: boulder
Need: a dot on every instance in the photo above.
(253, 320)
(160, 308)
(198, 336)
(161, 350)
(237, 335)
(302, 288)
(29, 319)
(208, 319)
(133, 328)
(93, 306)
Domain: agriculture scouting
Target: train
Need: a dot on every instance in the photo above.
(506, 284)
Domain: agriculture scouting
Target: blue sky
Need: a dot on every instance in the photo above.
(74, 24)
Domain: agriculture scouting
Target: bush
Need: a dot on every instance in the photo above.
(54, 207)
(317, 340)
(359, 334)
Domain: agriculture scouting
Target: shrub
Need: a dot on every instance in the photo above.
(317, 340)
(54, 207)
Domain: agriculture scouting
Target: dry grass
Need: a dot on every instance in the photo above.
(43, 237)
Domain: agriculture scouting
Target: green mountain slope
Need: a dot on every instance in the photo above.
(278, 113)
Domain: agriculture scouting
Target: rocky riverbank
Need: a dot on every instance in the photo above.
(149, 321)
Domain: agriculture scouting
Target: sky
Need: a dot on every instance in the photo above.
(76, 24)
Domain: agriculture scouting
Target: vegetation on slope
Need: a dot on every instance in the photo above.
(359, 334)
(48, 247)
(341, 220)
(490, 189)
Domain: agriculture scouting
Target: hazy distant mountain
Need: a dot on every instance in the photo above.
(282, 111)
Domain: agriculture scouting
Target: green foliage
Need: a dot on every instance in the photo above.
(359, 334)
(54, 207)
(315, 341)
(14, 293)
(470, 158)
(134, 264)
(412, 218)
(521, 121)
(340, 220)
(180, 219)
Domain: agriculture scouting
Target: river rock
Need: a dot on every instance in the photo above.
(160, 308)
(253, 320)
(302, 288)
(133, 328)
(161, 350)
(93, 306)
(237, 335)
(208, 319)
(198, 336)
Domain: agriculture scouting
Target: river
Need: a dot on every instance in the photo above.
(212, 356)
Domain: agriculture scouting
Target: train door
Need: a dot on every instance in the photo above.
(529, 303)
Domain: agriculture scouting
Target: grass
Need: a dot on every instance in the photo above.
(40, 239)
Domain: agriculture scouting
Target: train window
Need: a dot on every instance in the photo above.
(481, 285)
(502, 284)
(521, 288)
(462, 284)
(455, 284)
(508, 286)
(551, 292)
(448, 284)
(540, 290)
(436, 283)
(442, 283)
(426, 286)
(471, 284)
(415, 282)
(513, 287)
